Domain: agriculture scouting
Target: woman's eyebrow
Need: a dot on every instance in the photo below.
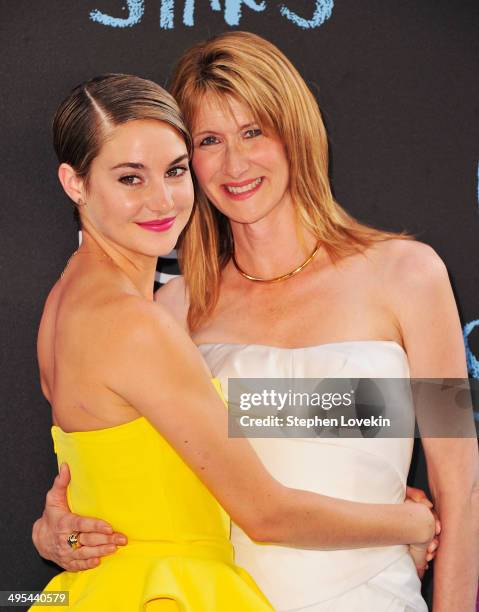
(179, 159)
(195, 134)
(138, 166)
(129, 165)
(241, 127)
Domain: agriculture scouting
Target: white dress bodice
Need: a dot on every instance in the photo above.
(358, 469)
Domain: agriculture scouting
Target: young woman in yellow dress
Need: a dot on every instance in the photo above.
(135, 414)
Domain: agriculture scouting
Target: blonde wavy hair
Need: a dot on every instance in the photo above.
(256, 73)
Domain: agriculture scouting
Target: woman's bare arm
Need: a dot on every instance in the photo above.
(155, 367)
(51, 528)
(432, 335)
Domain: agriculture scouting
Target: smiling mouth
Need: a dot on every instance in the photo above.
(237, 190)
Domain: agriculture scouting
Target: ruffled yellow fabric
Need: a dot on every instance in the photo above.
(178, 556)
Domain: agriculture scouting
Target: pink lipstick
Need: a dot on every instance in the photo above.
(243, 190)
(158, 225)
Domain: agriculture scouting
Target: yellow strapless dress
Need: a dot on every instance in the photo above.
(178, 556)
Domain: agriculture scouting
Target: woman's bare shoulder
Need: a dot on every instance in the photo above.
(145, 337)
(136, 325)
(408, 262)
(174, 298)
(134, 311)
(413, 280)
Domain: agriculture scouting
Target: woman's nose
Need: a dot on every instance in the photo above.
(160, 200)
(235, 162)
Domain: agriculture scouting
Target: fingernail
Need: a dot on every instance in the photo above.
(121, 540)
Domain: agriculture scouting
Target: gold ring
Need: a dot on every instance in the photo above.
(73, 541)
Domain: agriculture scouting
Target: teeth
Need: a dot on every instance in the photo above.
(247, 187)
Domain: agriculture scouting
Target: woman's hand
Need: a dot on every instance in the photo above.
(50, 532)
(420, 553)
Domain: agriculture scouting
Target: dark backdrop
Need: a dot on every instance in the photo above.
(398, 86)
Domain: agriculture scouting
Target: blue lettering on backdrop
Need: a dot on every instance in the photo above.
(323, 11)
(472, 360)
(233, 10)
(188, 11)
(232, 13)
(167, 14)
(136, 9)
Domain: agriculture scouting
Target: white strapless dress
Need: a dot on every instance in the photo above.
(372, 470)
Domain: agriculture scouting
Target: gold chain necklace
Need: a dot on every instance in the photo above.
(277, 279)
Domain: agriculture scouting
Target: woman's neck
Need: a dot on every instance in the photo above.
(139, 269)
(273, 246)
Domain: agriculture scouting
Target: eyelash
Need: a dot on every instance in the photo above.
(130, 180)
(255, 131)
(204, 143)
(183, 170)
(126, 180)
